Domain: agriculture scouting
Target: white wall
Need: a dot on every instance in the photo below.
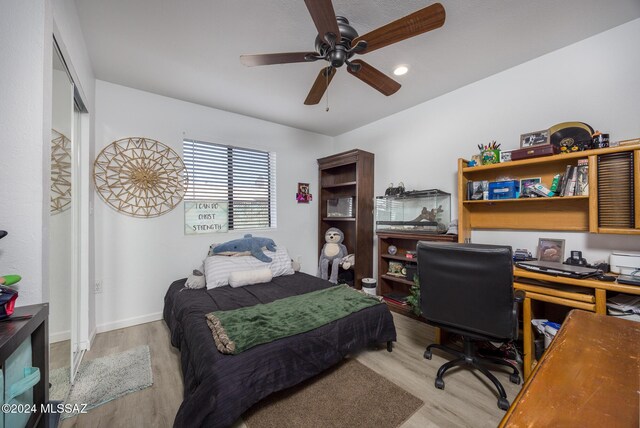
(596, 81)
(25, 132)
(138, 258)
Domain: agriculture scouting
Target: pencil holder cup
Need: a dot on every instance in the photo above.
(490, 156)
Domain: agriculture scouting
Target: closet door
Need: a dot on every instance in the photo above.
(65, 225)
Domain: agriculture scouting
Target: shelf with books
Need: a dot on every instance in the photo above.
(393, 305)
(560, 158)
(401, 258)
(526, 200)
(609, 171)
(399, 285)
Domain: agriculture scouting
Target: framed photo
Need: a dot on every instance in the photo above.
(505, 156)
(302, 195)
(529, 182)
(551, 250)
(532, 139)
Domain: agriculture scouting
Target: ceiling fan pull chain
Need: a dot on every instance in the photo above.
(326, 74)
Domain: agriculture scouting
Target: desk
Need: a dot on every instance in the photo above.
(593, 299)
(589, 376)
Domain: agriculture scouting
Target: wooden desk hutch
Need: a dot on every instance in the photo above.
(612, 207)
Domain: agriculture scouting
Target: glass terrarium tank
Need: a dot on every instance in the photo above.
(419, 211)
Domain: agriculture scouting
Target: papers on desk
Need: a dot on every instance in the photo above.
(624, 306)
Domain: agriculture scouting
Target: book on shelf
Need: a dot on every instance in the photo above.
(582, 178)
(570, 182)
(397, 298)
(565, 180)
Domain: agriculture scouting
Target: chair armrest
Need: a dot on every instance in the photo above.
(518, 296)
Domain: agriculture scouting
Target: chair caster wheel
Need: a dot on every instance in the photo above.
(427, 354)
(514, 378)
(440, 385)
(503, 404)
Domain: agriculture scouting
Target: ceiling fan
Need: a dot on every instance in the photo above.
(337, 42)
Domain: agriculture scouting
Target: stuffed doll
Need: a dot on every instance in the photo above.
(332, 253)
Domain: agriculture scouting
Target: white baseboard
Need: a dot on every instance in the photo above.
(86, 344)
(128, 322)
(59, 336)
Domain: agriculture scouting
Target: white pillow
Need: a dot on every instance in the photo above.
(248, 277)
(218, 268)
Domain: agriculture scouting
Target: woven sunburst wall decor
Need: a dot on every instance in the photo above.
(140, 177)
(60, 172)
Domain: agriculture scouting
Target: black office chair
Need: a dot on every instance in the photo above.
(467, 289)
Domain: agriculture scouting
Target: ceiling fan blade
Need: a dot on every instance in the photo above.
(277, 58)
(320, 86)
(374, 77)
(324, 18)
(427, 19)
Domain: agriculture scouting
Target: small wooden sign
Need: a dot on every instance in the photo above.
(205, 216)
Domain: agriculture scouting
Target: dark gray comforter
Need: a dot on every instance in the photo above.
(219, 388)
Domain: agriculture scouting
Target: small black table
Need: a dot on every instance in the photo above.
(13, 333)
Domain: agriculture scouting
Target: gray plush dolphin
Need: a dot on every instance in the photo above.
(247, 244)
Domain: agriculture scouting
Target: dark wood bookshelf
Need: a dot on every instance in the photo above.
(403, 241)
(349, 174)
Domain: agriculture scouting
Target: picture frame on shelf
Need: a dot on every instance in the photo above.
(532, 139)
(551, 250)
(505, 156)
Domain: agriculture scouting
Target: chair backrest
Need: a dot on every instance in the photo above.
(468, 287)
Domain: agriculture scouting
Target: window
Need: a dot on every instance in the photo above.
(245, 178)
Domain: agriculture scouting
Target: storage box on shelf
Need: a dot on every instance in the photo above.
(346, 179)
(585, 213)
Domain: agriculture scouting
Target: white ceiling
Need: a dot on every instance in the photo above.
(189, 50)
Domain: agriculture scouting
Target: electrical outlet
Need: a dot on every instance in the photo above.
(98, 288)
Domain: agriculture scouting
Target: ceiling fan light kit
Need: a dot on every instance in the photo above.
(337, 42)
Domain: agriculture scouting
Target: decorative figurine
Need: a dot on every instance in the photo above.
(429, 215)
(394, 191)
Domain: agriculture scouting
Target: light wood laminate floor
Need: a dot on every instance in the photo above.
(467, 401)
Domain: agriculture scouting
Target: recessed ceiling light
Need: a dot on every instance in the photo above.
(400, 70)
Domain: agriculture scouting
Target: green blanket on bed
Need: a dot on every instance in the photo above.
(237, 330)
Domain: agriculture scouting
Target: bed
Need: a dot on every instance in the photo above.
(218, 388)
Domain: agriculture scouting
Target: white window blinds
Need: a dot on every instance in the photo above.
(244, 178)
